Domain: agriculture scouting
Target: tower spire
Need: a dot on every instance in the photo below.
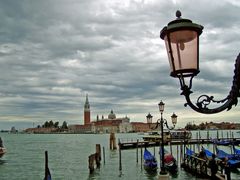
(87, 114)
(87, 105)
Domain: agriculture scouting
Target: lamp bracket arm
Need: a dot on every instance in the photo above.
(169, 128)
(204, 100)
(157, 124)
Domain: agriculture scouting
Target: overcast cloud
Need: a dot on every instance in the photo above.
(54, 52)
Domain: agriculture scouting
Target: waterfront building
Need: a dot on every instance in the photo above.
(142, 127)
(112, 124)
(81, 129)
(41, 130)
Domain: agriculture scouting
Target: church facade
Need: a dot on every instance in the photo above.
(106, 125)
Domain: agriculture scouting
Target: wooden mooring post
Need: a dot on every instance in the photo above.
(91, 160)
(141, 156)
(137, 151)
(47, 172)
(94, 159)
(103, 155)
(113, 145)
(98, 155)
(120, 155)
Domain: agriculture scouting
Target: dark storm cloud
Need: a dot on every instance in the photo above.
(52, 53)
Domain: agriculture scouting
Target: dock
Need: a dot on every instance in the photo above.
(137, 143)
(191, 163)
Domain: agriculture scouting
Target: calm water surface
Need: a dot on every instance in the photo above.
(68, 157)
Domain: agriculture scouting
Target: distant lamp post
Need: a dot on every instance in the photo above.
(149, 119)
(181, 38)
(163, 122)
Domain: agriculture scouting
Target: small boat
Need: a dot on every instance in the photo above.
(233, 161)
(236, 151)
(181, 134)
(170, 162)
(150, 162)
(221, 155)
(189, 152)
(225, 142)
(156, 136)
(221, 142)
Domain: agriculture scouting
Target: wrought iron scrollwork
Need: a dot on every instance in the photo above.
(203, 101)
(162, 122)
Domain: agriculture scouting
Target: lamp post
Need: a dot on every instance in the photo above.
(181, 38)
(163, 122)
(149, 119)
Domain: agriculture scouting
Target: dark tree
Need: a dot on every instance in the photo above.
(64, 125)
(56, 124)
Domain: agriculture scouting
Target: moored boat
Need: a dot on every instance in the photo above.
(222, 155)
(181, 134)
(155, 136)
(236, 151)
(170, 162)
(150, 162)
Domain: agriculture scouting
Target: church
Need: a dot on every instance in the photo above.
(101, 125)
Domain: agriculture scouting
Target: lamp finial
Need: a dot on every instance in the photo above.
(178, 14)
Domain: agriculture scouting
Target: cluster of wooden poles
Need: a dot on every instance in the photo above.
(94, 160)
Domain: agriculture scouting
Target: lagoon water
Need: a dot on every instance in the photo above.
(68, 157)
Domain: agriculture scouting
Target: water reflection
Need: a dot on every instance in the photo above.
(151, 175)
(2, 161)
(94, 175)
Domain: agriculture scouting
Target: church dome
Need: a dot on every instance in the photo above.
(111, 115)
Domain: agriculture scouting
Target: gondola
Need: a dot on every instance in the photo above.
(189, 152)
(222, 155)
(225, 142)
(170, 162)
(150, 162)
(236, 151)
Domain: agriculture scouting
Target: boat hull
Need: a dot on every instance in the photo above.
(150, 163)
(170, 163)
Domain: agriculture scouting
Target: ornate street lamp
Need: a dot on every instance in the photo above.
(181, 38)
(149, 118)
(163, 122)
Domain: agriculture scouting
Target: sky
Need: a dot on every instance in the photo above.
(54, 52)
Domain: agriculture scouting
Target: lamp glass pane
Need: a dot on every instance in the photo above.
(174, 119)
(184, 46)
(161, 106)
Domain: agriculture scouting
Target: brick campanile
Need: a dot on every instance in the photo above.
(87, 112)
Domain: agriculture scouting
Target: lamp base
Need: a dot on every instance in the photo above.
(163, 177)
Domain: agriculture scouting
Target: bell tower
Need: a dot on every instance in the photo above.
(86, 111)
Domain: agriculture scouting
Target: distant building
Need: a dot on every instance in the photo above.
(107, 125)
(13, 130)
(112, 124)
(82, 129)
(41, 130)
(142, 127)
